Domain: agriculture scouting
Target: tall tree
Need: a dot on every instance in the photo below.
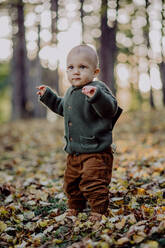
(152, 104)
(54, 14)
(162, 72)
(108, 48)
(19, 73)
(81, 17)
(162, 64)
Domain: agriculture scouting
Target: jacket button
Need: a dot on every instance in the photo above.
(70, 139)
(70, 123)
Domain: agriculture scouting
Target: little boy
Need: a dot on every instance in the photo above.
(90, 112)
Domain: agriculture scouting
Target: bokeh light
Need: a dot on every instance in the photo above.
(5, 49)
(140, 50)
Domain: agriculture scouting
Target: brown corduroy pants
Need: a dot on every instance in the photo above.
(86, 178)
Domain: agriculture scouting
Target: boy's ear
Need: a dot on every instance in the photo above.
(97, 71)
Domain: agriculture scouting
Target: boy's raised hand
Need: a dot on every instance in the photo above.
(41, 89)
(89, 90)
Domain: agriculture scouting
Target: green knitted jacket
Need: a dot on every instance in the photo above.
(88, 121)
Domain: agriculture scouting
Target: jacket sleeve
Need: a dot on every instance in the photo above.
(103, 102)
(52, 101)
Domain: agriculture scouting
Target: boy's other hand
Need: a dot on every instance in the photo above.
(89, 90)
(41, 89)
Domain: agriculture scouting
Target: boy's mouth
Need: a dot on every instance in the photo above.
(76, 78)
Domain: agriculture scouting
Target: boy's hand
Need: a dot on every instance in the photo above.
(89, 90)
(41, 89)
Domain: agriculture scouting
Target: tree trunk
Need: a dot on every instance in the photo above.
(162, 73)
(54, 13)
(162, 65)
(81, 17)
(19, 67)
(152, 99)
(107, 49)
(146, 34)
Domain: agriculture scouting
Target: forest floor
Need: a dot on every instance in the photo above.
(32, 202)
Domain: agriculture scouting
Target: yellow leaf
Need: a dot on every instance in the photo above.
(163, 209)
(141, 191)
(57, 241)
(138, 238)
(122, 189)
(104, 218)
(162, 226)
(3, 226)
(82, 216)
(118, 200)
(96, 226)
(121, 224)
(16, 219)
(44, 196)
(103, 245)
(22, 245)
(89, 246)
(105, 231)
(109, 225)
(147, 210)
(152, 244)
(106, 238)
(20, 170)
(3, 211)
(43, 223)
(37, 242)
(133, 203)
(131, 219)
(122, 241)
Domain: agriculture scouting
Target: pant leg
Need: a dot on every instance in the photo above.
(97, 171)
(72, 177)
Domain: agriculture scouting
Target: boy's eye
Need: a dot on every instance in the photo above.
(82, 66)
(70, 67)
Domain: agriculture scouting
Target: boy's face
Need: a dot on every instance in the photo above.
(80, 68)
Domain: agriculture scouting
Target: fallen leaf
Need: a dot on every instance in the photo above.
(138, 238)
(32, 201)
(43, 223)
(152, 244)
(121, 224)
(22, 245)
(3, 226)
(28, 215)
(57, 241)
(122, 241)
(60, 217)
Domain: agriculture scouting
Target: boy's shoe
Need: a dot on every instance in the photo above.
(71, 212)
(95, 217)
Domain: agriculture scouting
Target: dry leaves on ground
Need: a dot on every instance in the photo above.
(32, 203)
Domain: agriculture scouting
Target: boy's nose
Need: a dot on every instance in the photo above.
(76, 71)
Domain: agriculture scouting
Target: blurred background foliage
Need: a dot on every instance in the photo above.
(36, 35)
